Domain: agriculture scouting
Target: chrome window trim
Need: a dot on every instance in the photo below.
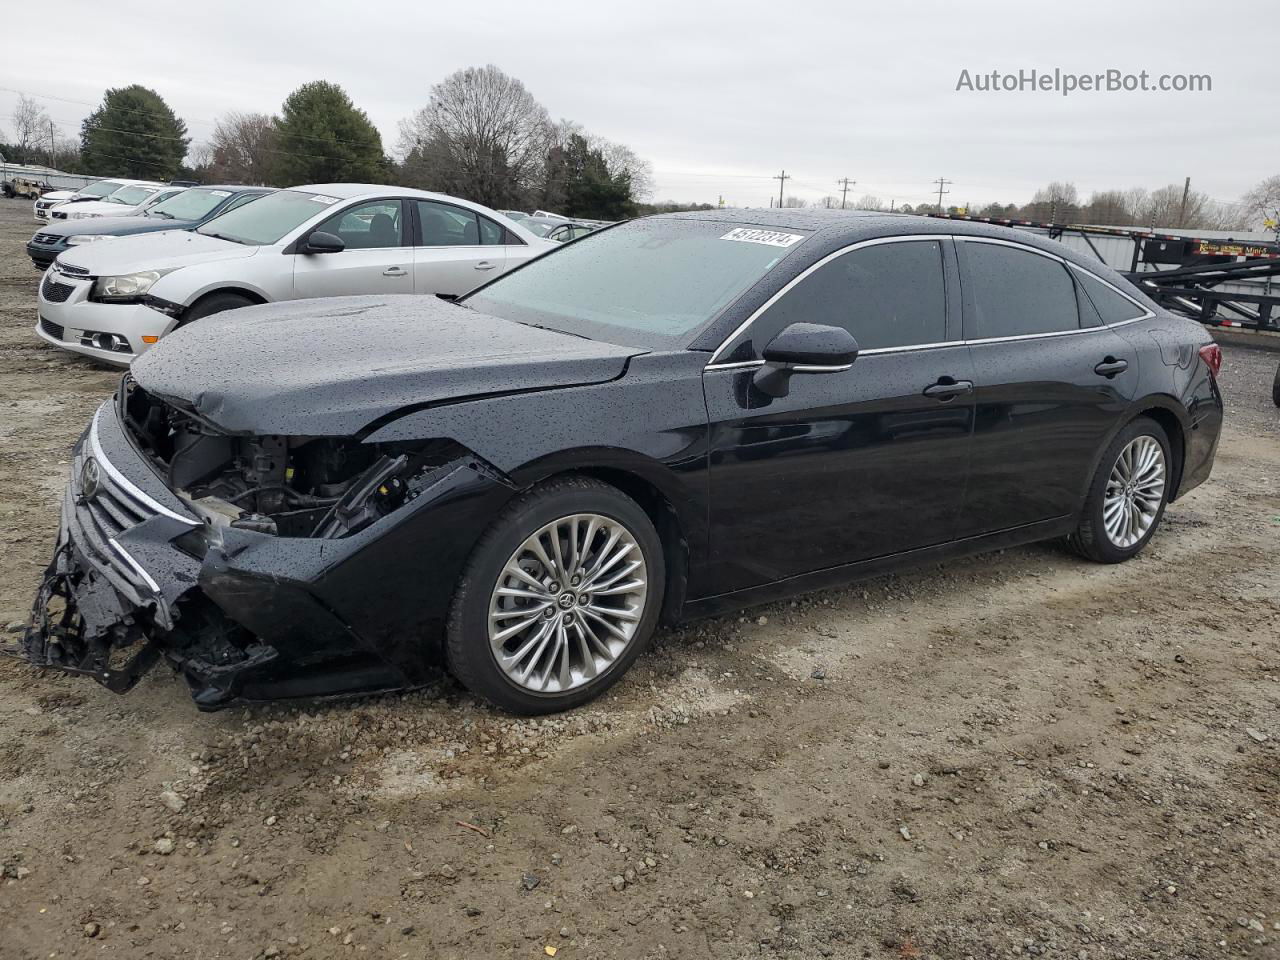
(872, 242)
(1147, 312)
(124, 482)
(748, 364)
(135, 566)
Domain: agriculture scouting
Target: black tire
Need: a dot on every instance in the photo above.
(1275, 388)
(215, 303)
(467, 646)
(1090, 539)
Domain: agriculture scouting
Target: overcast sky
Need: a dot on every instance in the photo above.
(720, 97)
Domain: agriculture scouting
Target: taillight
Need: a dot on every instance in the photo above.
(1211, 354)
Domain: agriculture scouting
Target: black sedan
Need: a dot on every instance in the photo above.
(183, 211)
(673, 417)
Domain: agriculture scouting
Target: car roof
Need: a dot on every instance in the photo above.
(353, 191)
(838, 228)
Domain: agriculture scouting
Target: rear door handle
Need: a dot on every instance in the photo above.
(395, 272)
(946, 389)
(1110, 367)
(485, 265)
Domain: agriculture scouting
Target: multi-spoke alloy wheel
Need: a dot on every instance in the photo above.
(1135, 491)
(567, 603)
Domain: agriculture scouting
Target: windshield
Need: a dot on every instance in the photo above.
(188, 205)
(100, 189)
(648, 283)
(131, 196)
(267, 220)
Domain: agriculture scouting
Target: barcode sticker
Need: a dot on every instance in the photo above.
(772, 238)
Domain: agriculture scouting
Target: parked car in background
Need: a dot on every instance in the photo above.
(557, 231)
(114, 300)
(128, 201)
(672, 418)
(94, 191)
(513, 214)
(182, 211)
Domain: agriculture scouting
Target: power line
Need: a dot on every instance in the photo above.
(942, 182)
(844, 189)
(782, 179)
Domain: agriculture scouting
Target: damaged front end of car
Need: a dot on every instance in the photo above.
(228, 555)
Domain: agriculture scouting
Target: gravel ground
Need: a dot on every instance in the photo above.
(1022, 754)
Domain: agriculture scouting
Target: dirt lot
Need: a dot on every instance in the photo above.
(1022, 754)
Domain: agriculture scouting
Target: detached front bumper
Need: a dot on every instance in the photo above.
(242, 615)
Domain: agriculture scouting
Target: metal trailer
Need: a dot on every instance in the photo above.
(1220, 281)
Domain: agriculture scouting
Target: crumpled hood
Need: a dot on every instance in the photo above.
(153, 251)
(332, 367)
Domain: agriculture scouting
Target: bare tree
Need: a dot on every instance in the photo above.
(30, 127)
(869, 201)
(482, 135)
(242, 148)
(795, 202)
(1262, 202)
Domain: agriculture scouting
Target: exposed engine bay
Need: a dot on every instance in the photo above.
(324, 487)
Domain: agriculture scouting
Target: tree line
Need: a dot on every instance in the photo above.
(482, 135)
(1170, 207)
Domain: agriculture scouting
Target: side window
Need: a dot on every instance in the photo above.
(1013, 293)
(1111, 306)
(368, 225)
(886, 295)
(444, 225)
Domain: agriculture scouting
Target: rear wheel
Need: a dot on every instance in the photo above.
(215, 303)
(1128, 494)
(559, 597)
(1275, 388)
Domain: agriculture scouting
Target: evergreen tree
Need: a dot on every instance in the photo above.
(590, 190)
(321, 137)
(134, 134)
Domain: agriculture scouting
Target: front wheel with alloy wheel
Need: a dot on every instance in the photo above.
(1128, 494)
(559, 597)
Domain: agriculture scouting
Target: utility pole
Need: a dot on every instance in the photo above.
(844, 191)
(1182, 212)
(942, 182)
(782, 179)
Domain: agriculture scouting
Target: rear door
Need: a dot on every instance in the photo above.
(1051, 381)
(456, 249)
(850, 465)
(377, 257)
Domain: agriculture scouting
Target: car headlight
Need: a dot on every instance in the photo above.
(128, 286)
(88, 238)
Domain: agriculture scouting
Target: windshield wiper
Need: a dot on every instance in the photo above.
(160, 213)
(223, 236)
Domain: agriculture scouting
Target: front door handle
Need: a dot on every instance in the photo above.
(947, 389)
(395, 272)
(485, 265)
(1110, 367)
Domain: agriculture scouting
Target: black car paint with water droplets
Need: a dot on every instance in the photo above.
(287, 495)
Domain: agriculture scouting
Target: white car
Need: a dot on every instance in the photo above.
(94, 191)
(114, 300)
(131, 199)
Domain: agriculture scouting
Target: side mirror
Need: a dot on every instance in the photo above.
(804, 348)
(321, 242)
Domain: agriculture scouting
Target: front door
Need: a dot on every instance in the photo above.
(855, 464)
(377, 257)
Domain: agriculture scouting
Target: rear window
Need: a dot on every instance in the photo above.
(649, 283)
(1015, 293)
(1112, 306)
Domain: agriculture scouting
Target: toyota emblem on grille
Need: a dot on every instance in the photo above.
(90, 479)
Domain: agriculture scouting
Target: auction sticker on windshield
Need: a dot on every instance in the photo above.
(771, 237)
(321, 198)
